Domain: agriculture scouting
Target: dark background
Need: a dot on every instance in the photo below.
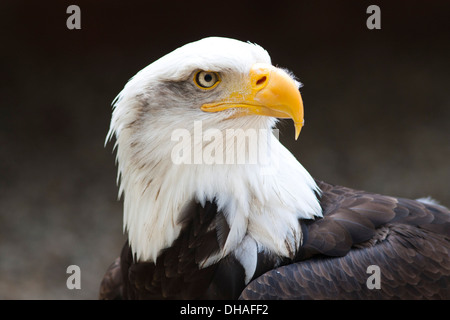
(377, 107)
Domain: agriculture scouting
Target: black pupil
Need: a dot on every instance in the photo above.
(208, 77)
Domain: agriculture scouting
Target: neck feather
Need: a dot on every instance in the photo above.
(262, 197)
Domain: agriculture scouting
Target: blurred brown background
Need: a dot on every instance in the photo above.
(377, 108)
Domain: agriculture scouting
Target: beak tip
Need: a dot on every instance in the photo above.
(298, 128)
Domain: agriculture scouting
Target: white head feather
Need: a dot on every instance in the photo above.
(261, 208)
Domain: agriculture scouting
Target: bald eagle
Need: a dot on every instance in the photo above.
(215, 207)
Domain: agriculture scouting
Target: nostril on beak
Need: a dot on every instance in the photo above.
(261, 80)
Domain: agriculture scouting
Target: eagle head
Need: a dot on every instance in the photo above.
(187, 103)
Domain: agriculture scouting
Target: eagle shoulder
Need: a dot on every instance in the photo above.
(408, 240)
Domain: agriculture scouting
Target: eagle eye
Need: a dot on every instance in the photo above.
(206, 79)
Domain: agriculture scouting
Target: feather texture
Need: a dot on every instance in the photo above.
(408, 240)
(263, 230)
(411, 248)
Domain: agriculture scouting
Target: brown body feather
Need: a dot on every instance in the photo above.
(408, 240)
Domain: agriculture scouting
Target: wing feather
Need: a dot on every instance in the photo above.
(408, 240)
(111, 285)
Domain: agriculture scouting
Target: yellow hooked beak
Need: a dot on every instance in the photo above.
(269, 92)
